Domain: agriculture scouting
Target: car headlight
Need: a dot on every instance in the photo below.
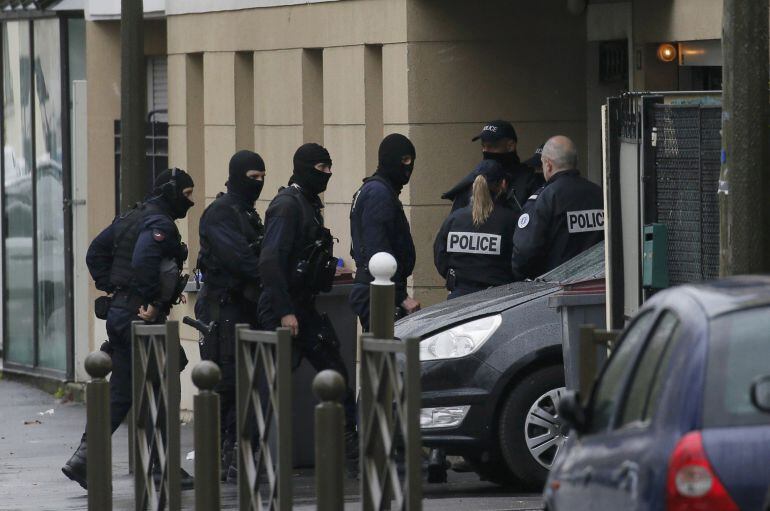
(443, 416)
(460, 340)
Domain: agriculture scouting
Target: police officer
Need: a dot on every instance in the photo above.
(126, 260)
(297, 256)
(378, 224)
(498, 142)
(562, 220)
(472, 250)
(536, 162)
(231, 234)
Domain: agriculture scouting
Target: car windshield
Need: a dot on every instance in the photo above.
(739, 352)
(588, 265)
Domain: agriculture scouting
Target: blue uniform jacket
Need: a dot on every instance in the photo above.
(378, 224)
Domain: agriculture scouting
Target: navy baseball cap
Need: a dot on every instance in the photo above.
(496, 130)
(537, 159)
(492, 171)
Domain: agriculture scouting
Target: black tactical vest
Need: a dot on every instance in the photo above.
(250, 226)
(127, 229)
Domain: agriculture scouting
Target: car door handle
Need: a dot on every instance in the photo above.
(626, 476)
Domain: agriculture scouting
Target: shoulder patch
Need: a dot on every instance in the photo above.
(158, 235)
(523, 220)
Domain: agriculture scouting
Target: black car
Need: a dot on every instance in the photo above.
(492, 372)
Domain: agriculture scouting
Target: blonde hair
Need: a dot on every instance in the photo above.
(482, 203)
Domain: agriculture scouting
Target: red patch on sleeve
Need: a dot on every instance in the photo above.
(158, 235)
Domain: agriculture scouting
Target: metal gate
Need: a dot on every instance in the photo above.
(662, 154)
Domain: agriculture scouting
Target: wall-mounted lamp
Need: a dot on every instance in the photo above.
(666, 52)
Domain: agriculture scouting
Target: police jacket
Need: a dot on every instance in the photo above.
(523, 181)
(231, 234)
(479, 256)
(378, 224)
(293, 222)
(562, 220)
(127, 255)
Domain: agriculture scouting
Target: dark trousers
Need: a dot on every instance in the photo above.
(314, 344)
(231, 313)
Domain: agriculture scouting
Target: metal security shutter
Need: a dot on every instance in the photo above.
(687, 142)
(157, 86)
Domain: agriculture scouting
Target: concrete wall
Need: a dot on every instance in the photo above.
(470, 62)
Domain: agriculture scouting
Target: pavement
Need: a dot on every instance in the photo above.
(38, 433)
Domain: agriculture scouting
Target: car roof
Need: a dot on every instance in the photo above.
(717, 297)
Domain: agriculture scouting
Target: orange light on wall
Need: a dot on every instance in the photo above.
(666, 52)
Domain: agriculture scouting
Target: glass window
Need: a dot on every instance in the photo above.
(18, 194)
(647, 371)
(52, 324)
(606, 391)
(739, 351)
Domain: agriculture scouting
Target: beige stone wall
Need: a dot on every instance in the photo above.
(471, 62)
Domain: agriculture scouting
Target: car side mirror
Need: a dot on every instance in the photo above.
(760, 393)
(572, 411)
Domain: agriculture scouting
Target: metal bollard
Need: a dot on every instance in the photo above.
(382, 315)
(382, 295)
(205, 376)
(99, 455)
(329, 388)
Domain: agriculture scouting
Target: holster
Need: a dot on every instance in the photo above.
(327, 336)
(102, 306)
(451, 280)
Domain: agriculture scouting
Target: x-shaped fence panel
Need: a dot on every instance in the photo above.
(264, 413)
(155, 354)
(390, 419)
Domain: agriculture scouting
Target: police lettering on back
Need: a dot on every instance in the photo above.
(585, 221)
(474, 243)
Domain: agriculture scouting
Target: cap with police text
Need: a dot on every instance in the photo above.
(537, 159)
(496, 130)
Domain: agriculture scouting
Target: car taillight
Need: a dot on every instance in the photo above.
(692, 484)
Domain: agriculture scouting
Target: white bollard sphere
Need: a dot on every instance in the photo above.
(382, 266)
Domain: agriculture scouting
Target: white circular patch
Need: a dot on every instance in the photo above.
(523, 220)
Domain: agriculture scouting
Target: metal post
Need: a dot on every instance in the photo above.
(99, 455)
(413, 440)
(284, 417)
(744, 182)
(329, 388)
(382, 295)
(173, 389)
(382, 307)
(133, 104)
(205, 376)
(587, 361)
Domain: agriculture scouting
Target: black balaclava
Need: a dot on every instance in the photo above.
(169, 186)
(237, 183)
(392, 149)
(305, 173)
(509, 161)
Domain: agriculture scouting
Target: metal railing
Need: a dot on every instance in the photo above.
(264, 413)
(390, 416)
(206, 375)
(156, 392)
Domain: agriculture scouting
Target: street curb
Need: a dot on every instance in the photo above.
(61, 389)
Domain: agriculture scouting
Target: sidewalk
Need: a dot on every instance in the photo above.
(33, 447)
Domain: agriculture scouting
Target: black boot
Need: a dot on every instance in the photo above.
(228, 459)
(75, 468)
(186, 481)
(437, 466)
(352, 458)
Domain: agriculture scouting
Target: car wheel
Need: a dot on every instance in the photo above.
(530, 430)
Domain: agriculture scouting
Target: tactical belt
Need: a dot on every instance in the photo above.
(127, 300)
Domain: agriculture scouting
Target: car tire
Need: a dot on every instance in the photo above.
(513, 421)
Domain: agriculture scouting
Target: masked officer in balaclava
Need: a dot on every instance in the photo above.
(378, 224)
(231, 234)
(297, 257)
(125, 260)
